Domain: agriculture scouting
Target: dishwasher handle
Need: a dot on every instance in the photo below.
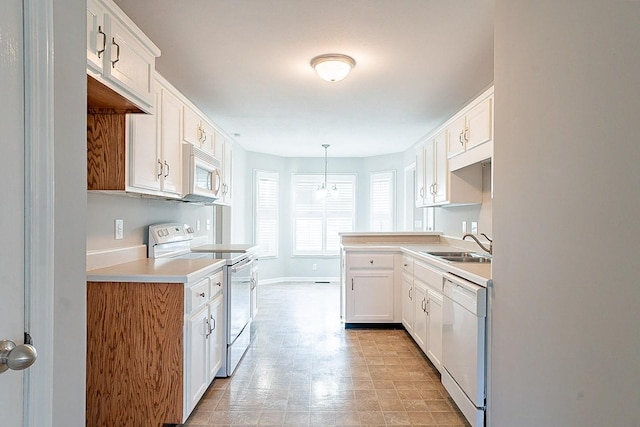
(466, 294)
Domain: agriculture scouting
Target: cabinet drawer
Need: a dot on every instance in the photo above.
(198, 295)
(407, 265)
(216, 283)
(371, 261)
(427, 275)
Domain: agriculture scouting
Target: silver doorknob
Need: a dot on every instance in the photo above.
(16, 357)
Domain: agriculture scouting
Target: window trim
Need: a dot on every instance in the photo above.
(266, 174)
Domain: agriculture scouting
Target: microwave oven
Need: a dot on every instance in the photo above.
(202, 182)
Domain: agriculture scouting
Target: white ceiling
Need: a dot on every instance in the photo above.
(245, 63)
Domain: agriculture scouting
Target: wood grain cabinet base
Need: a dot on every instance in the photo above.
(134, 354)
(152, 350)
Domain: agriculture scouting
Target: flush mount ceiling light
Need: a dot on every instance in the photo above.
(333, 67)
(323, 190)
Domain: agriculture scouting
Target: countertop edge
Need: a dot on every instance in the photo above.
(146, 271)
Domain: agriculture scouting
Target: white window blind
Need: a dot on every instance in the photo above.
(383, 201)
(266, 218)
(318, 222)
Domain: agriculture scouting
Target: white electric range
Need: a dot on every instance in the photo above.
(173, 240)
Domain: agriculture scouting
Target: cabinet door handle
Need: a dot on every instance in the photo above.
(421, 191)
(435, 188)
(113, 63)
(168, 170)
(204, 135)
(161, 168)
(352, 283)
(460, 137)
(214, 323)
(207, 330)
(410, 294)
(104, 41)
(466, 135)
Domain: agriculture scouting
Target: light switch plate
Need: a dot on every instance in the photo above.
(464, 226)
(118, 229)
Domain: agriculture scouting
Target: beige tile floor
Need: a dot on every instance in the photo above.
(304, 369)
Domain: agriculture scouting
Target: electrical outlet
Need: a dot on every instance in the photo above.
(197, 225)
(314, 267)
(464, 226)
(118, 229)
(208, 224)
(474, 227)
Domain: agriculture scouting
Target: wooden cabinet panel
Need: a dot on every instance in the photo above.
(106, 151)
(125, 386)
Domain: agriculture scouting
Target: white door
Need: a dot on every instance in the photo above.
(12, 196)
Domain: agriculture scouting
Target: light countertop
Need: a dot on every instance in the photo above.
(159, 270)
(477, 273)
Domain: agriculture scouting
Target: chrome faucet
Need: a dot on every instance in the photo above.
(489, 249)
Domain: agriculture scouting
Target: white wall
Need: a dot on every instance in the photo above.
(70, 103)
(138, 214)
(449, 219)
(566, 297)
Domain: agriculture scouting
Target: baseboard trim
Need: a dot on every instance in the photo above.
(373, 326)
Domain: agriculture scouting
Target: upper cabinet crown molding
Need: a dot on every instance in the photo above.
(121, 60)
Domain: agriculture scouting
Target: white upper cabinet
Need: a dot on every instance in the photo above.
(470, 136)
(436, 185)
(96, 35)
(448, 169)
(223, 150)
(145, 151)
(197, 131)
(119, 55)
(155, 165)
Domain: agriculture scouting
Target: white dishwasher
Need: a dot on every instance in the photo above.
(463, 346)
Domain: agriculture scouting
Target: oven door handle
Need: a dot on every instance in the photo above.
(244, 264)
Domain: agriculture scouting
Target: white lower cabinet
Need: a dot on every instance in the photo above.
(197, 329)
(408, 295)
(425, 309)
(370, 288)
(203, 338)
(434, 326)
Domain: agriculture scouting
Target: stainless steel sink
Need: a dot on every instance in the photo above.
(453, 254)
(475, 259)
(461, 257)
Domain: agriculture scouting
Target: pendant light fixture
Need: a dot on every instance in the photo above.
(333, 67)
(323, 190)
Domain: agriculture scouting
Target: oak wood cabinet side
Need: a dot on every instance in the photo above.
(134, 354)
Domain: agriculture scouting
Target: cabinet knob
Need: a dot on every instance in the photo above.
(371, 261)
(201, 294)
(219, 283)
